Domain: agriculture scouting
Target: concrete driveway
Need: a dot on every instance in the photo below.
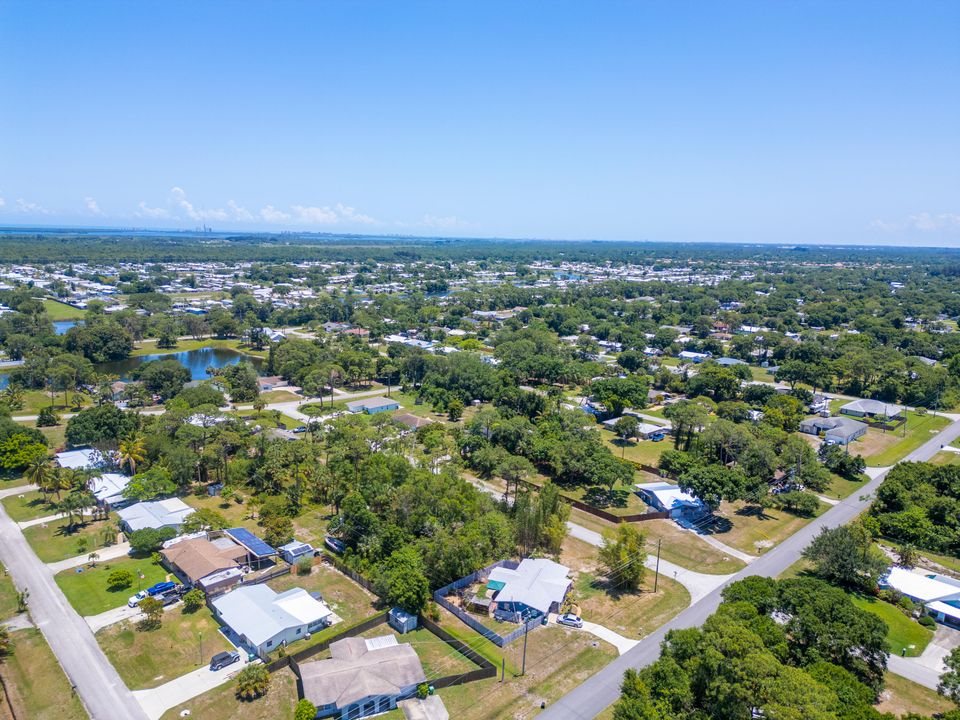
(156, 701)
(621, 643)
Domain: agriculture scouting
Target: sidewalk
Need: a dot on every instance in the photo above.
(111, 552)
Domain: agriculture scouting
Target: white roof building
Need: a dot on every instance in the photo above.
(940, 593)
(80, 459)
(109, 487)
(539, 584)
(157, 514)
(266, 619)
(667, 497)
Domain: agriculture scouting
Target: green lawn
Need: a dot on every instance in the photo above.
(237, 514)
(54, 541)
(8, 596)
(149, 347)
(31, 505)
(903, 632)
(221, 703)
(345, 597)
(901, 696)
(645, 452)
(148, 658)
(275, 396)
(38, 688)
(881, 449)
(754, 531)
(622, 501)
(841, 487)
(55, 435)
(632, 615)
(61, 311)
(35, 400)
(87, 591)
(946, 458)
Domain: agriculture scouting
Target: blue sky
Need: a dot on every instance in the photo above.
(781, 121)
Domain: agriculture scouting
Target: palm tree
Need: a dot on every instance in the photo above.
(132, 452)
(252, 682)
(40, 472)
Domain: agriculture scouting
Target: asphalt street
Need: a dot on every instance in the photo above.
(591, 697)
(99, 686)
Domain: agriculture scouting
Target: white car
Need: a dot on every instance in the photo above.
(570, 620)
(135, 599)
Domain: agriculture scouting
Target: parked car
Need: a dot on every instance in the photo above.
(168, 598)
(570, 620)
(161, 587)
(334, 544)
(300, 429)
(222, 659)
(135, 599)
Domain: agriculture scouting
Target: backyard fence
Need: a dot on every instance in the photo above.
(439, 597)
(293, 659)
(485, 668)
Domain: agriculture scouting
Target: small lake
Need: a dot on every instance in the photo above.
(196, 361)
(60, 327)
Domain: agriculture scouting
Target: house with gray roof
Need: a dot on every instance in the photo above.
(264, 619)
(155, 514)
(372, 406)
(872, 409)
(835, 430)
(362, 677)
(534, 587)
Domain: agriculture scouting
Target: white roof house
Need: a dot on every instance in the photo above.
(80, 459)
(157, 514)
(108, 488)
(539, 584)
(266, 619)
(940, 593)
(665, 496)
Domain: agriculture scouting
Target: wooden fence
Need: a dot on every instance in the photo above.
(293, 659)
(485, 669)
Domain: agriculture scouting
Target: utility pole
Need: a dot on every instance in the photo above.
(656, 573)
(200, 635)
(523, 668)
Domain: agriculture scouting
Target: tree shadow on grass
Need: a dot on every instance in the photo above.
(601, 497)
(757, 511)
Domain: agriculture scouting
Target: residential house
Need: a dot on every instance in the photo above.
(873, 409)
(691, 356)
(372, 406)
(836, 430)
(362, 677)
(195, 560)
(156, 514)
(939, 593)
(86, 458)
(666, 497)
(108, 489)
(414, 422)
(264, 620)
(534, 587)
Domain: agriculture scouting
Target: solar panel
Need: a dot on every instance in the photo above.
(251, 542)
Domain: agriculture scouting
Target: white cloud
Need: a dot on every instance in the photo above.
(145, 211)
(32, 208)
(349, 214)
(181, 201)
(442, 222)
(318, 215)
(933, 223)
(2, 202)
(272, 214)
(240, 213)
(924, 222)
(92, 207)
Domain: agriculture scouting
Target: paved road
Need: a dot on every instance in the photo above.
(591, 697)
(100, 688)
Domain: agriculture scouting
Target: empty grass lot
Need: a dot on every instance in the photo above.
(37, 686)
(8, 596)
(645, 452)
(841, 487)
(62, 311)
(754, 530)
(557, 661)
(237, 514)
(901, 696)
(631, 614)
(148, 658)
(903, 633)
(55, 541)
(87, 591)
(32, 505)
(221, 703)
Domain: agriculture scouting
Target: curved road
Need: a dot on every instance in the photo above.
(591, 697)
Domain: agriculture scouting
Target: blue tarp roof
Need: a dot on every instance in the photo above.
(251, 542)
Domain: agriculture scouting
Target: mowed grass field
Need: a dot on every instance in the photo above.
(221, 703)
(37, 686)
(61, 311)
(148, 658)
(87, 590)
(904, 633)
